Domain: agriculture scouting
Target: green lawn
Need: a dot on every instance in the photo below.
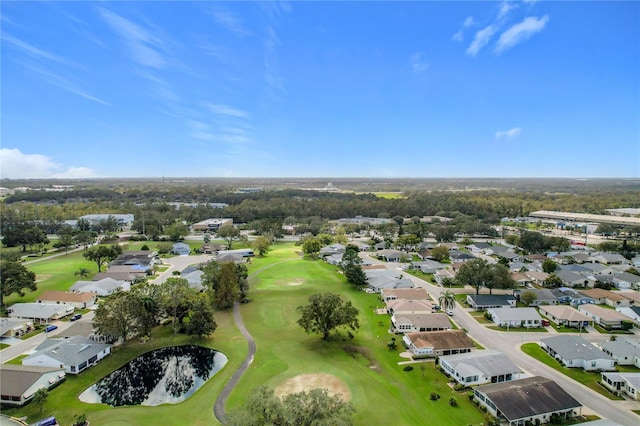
(17, 360)
(479, 316)
(589, 379)
(3, 345)
(519, 329)
(365, 363)
(382, 392)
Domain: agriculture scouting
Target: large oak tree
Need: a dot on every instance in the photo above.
(326, 312)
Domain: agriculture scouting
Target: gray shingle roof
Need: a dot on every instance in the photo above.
(486, 362)
(574, 347)
(70, 351)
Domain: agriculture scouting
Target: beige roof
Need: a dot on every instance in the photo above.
(441, 340)
(417, 293)
(17, 379)
(535, 275)
(631, 295)
(600, 293)
(65, 296)
(604, 313)
(409, 306)
(438, 320)
(563, 312)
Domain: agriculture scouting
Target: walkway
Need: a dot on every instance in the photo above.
(218, 407)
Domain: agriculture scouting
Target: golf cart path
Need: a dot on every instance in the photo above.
(218, 407)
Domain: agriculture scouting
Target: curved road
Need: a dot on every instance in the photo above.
(218, 407)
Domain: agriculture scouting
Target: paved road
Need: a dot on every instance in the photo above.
(509, 343)
(178, 263)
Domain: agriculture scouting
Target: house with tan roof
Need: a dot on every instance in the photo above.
(18, 383)
(412, 323)
(537, 277)
(403, 306)
(77, 300)
(417, 293)
(565, 316)
(607, 297)
(438, 343)
(607, 318)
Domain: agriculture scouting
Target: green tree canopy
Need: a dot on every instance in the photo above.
(549, 266)
(102, 254)
(201, 321)
(326, 312)
(447, 300)
(229, 233)
(15, 278)
(313, 408)
(478, 273)
(261, 245)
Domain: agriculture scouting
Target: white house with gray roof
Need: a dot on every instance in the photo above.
(516, 317)
(74, 354)
(40, 312)
(14, 327)
(627, 383)
(575, 352)
(103, 287)
(18, 383)
(479, 367)
(623, 350)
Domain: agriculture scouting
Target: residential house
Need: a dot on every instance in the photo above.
(510, 255)
(544, 296)
(428, 266)
(334, 259)
(623, 350)
(211, 248)
(515, 317)
(417, 293)
(606, 297)
(103, 287)
(521, 279)
(594, 268)
(573, 279)
(418, 322)
(391, 255)
(224, 257)
(531, 400)
(211, 225)
(478, 247)
(143, 259)
(607, 318)
(74, 354)
(609, 258)
(517, 267)
(403, 306)
(18, 383)
(460, 256)
(40, 312)
(14, 327)
(181, 249)
(77, 300)
(442, 274)
(481, 302)
(627, 383)
(568, 295)
(565, 316)
(332, 249)
(536, 277)
(625, 281)
(632, 312)
(496, 250)
(575, 352)
(193, 275)
(438, 343)
(479, 367)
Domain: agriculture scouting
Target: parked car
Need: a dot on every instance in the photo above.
(50, 328)
(49, 421)
(545, 322)
(450, 312)
(76, 317)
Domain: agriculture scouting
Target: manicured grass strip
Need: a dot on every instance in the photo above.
(587, 378)
(479, 316)
(17, 360)
(519, 329)
(4, 345)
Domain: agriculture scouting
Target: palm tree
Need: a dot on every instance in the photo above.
(83, 272)
(447, 300)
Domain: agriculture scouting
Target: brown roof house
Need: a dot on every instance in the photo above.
(18, 383)
(532, 400)
(77, 300)
(437, 343)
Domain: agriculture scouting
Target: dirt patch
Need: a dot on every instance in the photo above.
(292, 283)
(42, 277)
(307, 382)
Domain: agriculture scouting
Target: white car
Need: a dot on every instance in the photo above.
(450, 312)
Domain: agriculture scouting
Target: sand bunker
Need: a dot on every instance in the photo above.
(307, 382)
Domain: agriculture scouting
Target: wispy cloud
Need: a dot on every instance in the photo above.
(481, 39)
(143, 45)
(468, 22)
(226, 19)
(508, 134)
(15, 164)
(33, 51)
(520, 32)
(64, 83)
(505, 8)
(417, 62)
(272, 75)
(226, 110)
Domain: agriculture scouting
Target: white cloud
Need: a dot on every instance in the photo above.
(229, 21)
(505, 7)
(226, 110)
(138, 40)
(33, 51)
(459, 36)
(418, 64)
(520, 32)
(64, 84)
(508, 134)
(468, 22)
(16, 165)
(480, 40)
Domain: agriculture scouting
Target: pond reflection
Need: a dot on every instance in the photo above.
(167, 375)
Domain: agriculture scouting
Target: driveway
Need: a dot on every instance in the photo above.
(178, 263)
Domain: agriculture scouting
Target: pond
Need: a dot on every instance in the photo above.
(163, 376)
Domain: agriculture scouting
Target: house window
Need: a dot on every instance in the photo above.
(593, 364)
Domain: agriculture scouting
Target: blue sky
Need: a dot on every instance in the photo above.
(335, 89)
